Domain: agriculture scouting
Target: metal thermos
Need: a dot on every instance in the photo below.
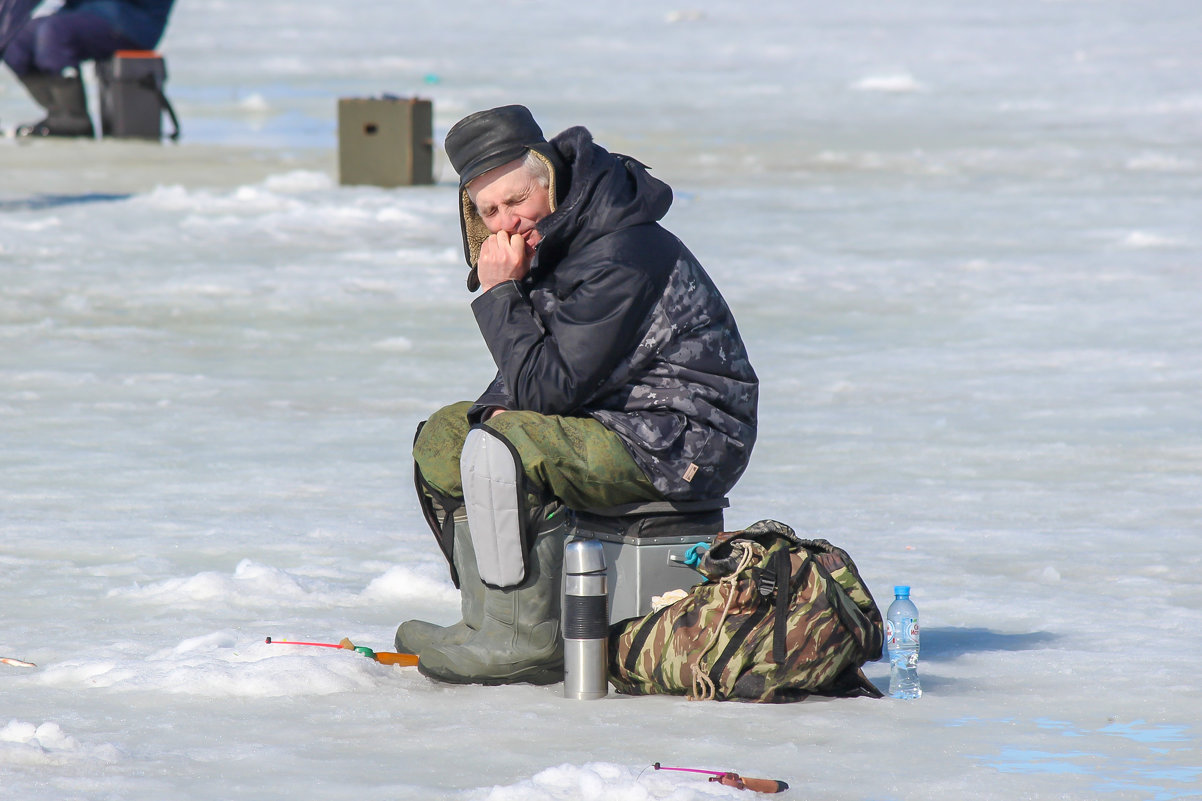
(585, 621)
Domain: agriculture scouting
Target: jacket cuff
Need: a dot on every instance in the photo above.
(480, 412)
(503, 290)
(491, 399)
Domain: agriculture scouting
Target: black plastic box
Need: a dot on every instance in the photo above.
(131, 94)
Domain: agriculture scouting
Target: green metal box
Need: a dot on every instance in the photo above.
(387, 141)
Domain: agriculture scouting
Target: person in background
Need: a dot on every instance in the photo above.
(46, 54)
(622, 378)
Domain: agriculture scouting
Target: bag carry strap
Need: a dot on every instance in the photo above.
(148, 82)
(779, 576)
(784, 594)
(640, 638)
(736, 643)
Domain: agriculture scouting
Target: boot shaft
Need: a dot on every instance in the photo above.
(532, 610)
(39, 84)
(66, 103)
(520, 638)
(415, 636)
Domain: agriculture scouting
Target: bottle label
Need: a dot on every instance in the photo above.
(905, 632)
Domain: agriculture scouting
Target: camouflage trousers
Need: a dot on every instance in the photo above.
(573, 459)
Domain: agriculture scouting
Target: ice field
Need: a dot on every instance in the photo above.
(964, 246)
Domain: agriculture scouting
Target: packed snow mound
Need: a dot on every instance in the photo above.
(30, 744)
(602, 781)
(225, 665)
(257, 585)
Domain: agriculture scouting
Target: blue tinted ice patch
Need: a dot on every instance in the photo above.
(1161, 766)
(970, 720)
(1140, 732)
(1150, 792)
(1066, 728)
(1016, 760)
(1174, 774)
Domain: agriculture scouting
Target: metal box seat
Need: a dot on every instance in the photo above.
(645, 546)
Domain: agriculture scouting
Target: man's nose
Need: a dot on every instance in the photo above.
(509, 222)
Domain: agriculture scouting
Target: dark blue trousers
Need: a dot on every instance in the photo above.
(63, 39)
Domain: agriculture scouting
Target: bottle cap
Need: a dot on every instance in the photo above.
(902, 591)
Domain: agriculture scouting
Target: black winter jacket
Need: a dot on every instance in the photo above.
(617, 320)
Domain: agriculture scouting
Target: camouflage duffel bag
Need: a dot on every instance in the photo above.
(777, 619)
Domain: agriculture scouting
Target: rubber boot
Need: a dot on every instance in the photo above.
(519, 639)
(414, 636)
(38, 84)
(66, 102)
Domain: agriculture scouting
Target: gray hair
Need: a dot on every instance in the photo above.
(538, 168)
(532, 164)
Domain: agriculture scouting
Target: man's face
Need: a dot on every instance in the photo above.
(510, 199)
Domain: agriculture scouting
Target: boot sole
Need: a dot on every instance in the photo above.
(539, 676)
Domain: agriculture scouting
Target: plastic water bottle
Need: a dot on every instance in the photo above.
(901, 638)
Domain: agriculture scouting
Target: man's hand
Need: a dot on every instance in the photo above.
(503, 257)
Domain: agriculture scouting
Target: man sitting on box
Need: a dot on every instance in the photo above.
(622, 378)
(47, 52)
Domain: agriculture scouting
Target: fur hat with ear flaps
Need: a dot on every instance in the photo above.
(484, 141)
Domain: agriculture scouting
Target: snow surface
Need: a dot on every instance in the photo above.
(963, 245)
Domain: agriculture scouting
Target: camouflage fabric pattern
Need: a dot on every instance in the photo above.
(726, 628)
(685, 399)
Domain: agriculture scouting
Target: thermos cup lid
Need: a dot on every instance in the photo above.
(582, 555)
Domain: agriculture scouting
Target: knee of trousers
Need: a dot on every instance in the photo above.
(54, 44)
(19, 55)
(67, 38)
(437, 446)
(495, 497)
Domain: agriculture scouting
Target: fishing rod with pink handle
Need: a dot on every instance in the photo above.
(383, 657)
(730, 779)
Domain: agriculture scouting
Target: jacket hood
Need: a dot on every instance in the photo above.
(599, 193)
(608, 192)
(473, 227)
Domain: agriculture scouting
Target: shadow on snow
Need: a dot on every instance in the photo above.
(946, 644)
(55, 201)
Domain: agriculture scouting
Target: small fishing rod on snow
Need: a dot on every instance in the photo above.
(383, 657)
(731, 779)
(8, 660)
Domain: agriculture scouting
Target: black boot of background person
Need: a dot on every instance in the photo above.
(66, 102)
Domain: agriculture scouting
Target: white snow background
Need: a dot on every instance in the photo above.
(963, 242)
